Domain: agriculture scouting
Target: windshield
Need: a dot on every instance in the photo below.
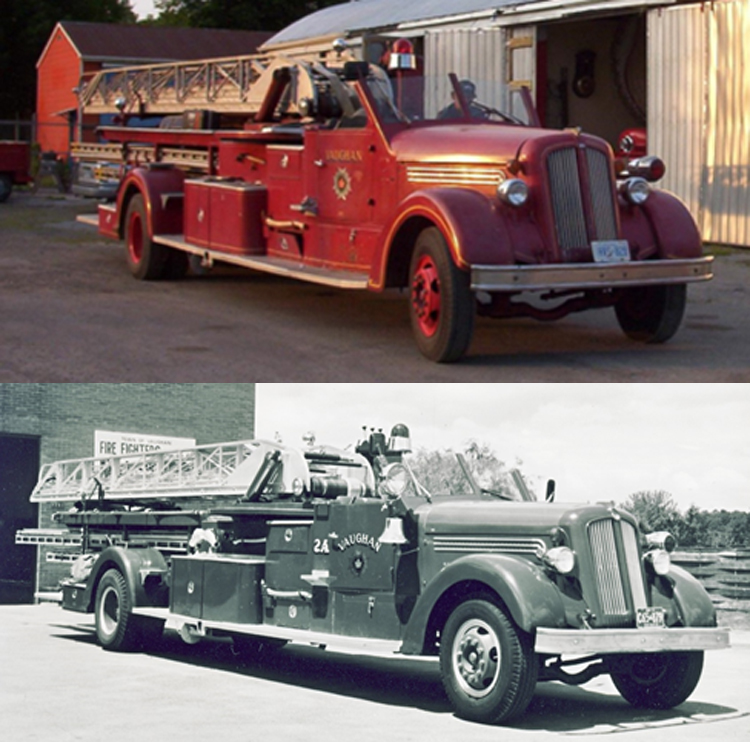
(407, 97)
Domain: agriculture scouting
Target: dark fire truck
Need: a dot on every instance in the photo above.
(311, 170)
(15, 166)
(263, 543)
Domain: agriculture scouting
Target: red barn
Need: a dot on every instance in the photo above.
(76, 48)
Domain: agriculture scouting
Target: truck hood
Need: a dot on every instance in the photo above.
(476, 517)
(477, 143)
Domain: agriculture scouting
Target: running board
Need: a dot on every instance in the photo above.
(199, 628)
(283, 268)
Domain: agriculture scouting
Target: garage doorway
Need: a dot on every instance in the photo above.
(594, 74)
(19, 468)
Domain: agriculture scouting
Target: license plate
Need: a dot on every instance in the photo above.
(649, 618)
(610, 251)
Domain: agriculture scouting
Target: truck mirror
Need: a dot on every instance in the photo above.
(355, 70)
(550, 496)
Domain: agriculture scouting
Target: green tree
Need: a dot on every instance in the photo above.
(440, 473)
(655, 509)
(25, 29)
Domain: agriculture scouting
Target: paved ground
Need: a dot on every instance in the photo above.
(71, 312)
(57, 684)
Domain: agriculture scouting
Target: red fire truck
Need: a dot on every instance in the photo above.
(310, 170)
(260, 544)
(15, 166)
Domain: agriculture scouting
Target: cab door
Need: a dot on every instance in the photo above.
(361, 571)
(347, 190)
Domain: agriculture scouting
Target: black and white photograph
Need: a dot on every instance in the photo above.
(300, 560)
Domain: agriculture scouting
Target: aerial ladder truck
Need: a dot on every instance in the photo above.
(309, 169)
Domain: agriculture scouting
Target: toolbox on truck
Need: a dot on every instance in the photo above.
(225, 215)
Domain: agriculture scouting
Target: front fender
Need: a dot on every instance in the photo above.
(135, 565)
(681, 592)
(531, 598)
(662, 227)
(472, 224)
(162, 189)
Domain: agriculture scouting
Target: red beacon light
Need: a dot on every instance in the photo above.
(402, 56)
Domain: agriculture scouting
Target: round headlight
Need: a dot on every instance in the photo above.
(659, 561)
(513, 192)
(661, 540)
(396, 480)
(561, 559)
(635, 190)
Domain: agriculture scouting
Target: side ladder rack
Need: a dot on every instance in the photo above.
(203, 471)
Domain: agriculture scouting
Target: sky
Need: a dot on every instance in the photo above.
(597, 441)
(143, 7)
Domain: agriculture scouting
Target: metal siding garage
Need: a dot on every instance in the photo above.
(699, 112)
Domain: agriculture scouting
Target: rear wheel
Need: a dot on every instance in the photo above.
(659, 681)
(488, 665)
(147, 259)
(441, 303)
(651, 314)
(117, 628)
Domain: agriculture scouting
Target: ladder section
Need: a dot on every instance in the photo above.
(202, 471)
(190, 159)
(229, 85)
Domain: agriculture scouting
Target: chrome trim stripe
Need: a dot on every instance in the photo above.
(454, 174)
(488, 544)
(589, 275)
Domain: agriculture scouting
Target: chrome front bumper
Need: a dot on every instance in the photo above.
(626, 641)
(589, 275)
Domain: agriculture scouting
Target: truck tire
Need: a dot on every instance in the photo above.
(147, 259)
(117, 629)
(6, 186)
(488, 665)
(659, 681)
(651, 314)
(440, 300)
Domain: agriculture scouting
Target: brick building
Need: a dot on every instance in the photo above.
(41, 423)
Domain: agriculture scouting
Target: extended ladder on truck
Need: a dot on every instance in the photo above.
(223, 469)
(147, 484)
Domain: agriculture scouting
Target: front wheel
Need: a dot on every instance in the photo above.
(488, 665)
(440, 300)
(658, 681)
(651, 314)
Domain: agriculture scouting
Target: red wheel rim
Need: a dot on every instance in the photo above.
(135, 238)
(425, 296)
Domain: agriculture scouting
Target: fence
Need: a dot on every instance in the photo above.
(725, 574)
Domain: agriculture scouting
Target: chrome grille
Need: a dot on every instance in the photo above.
(569, 199)
(567, 203)
(607, 569)
(633, 561)
(601, 195)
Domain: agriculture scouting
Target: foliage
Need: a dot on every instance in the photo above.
(695, 529)
(25, 28)
(440, 473)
